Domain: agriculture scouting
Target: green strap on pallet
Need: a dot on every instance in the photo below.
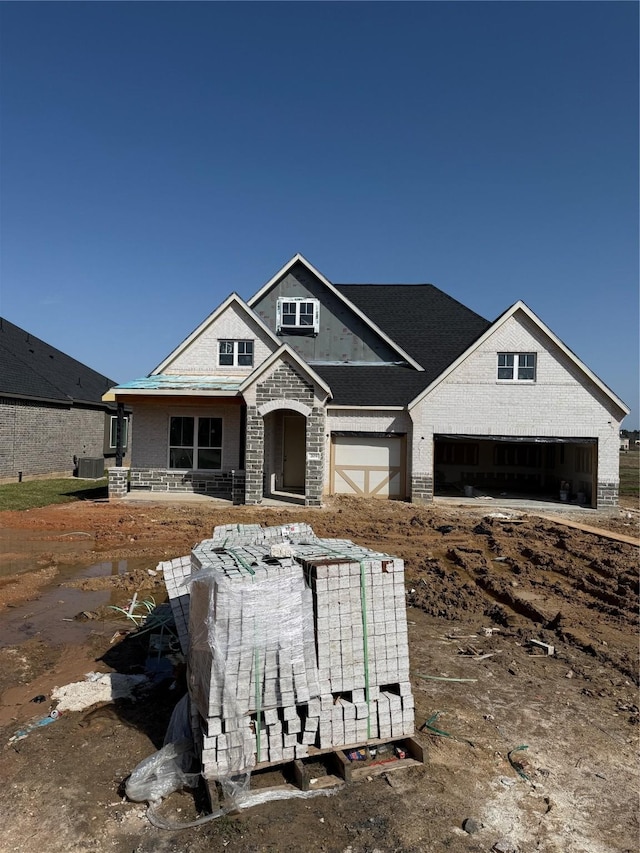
(365, 645)
(240, 561)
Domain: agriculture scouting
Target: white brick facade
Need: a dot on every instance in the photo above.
(562, 401)
(201, 356)
(151, 447)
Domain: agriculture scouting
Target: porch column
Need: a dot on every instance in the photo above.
(119, 436)
(314, 464)
(421, 462)
(254, 457)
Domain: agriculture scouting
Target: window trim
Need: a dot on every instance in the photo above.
(235, 354)
(195, 446)
(113, 427)
(298, 301)
(516, 366)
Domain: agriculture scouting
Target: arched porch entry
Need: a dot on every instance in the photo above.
(285, 449)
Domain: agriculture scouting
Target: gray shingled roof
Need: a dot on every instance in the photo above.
(429, 325)
(31, 368)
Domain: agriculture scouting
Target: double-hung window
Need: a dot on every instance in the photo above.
(235, 353)
(517, 366)
(195, 443)
(297, 313)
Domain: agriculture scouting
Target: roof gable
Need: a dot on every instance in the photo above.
(517, 307)
(33, 369)
(392, 345)
(232, 302)
(286, 354)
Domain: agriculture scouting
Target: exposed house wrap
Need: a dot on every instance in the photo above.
(289, 653)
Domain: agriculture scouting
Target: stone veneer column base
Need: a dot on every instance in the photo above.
(118, 483)
(314, 466)
(216, 484)
(421, 489)
(607, 495)
(254, 458)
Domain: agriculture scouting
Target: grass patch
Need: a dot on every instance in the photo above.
(630, 474)
(35, 493)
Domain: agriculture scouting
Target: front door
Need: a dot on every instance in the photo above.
(294, 452)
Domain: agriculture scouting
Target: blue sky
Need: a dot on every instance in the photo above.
(156, 156)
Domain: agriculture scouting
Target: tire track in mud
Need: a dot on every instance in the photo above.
(536, 575)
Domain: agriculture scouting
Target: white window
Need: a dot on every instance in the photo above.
(113, 431)
(235, 353)
(517, 366)
(297, 313)
(195, 443)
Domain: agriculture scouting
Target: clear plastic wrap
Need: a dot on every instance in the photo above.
(162, 773)
(171, 768)
(294, 642)
(252, 653)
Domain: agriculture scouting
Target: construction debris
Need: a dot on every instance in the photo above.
(550, 650)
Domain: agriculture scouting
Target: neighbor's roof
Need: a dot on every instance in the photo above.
(32, 369)
(428, 324)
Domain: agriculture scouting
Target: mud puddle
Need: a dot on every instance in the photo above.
(20, 548)
(64, 615)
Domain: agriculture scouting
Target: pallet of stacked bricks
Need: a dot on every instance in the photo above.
(296, 645)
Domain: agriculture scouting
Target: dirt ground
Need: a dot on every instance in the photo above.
(479, 588)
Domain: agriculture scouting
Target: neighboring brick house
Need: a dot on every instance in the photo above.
(51, 410)
(311, 388)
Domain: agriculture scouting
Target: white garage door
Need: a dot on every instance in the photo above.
(368, 466)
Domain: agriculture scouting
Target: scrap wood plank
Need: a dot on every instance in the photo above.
(597, 531)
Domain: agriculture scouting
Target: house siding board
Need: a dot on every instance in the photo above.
(343, 336)
(42, 439)
(562, 402)
(201, 356)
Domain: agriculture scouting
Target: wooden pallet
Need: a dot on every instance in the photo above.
(302, 774)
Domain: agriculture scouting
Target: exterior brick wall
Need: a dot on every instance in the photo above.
(421, 489)
(40, 439)
(562, 402)
(118, 482)
(254, 457)
(607, 494)
(222, 484)
(151, 446)
(201, 356)
(284, 384)
(314, 468)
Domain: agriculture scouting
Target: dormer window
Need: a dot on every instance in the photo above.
(297, 314)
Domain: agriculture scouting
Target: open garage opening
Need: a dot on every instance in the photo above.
(555, 469)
